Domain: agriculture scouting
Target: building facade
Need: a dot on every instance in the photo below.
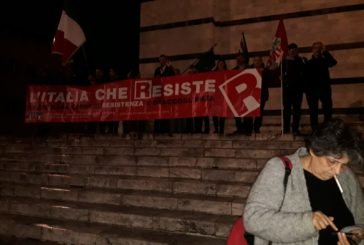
(185, 29)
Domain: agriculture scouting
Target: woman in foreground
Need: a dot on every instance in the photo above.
(322, 195)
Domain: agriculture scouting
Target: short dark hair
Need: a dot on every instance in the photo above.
(335, 138)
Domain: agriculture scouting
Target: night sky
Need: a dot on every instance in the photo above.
(111, 29)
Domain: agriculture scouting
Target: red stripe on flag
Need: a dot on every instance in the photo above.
(63, 47)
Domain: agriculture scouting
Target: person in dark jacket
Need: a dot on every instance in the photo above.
(293, 85)
(319, 82)
(219, 122)
(163, 70)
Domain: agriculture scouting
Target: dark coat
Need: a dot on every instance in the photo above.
(294, 73)
(167, 71)
(318, 71)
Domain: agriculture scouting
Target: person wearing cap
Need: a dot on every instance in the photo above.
(293, 88)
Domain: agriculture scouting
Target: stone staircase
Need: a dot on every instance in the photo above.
(185, 189)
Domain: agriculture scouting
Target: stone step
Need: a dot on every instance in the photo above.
(211, 185)
(116, 165)
(241, 175)
(104, 176)
(161, 145)
(165, 153)
(88, 164)
(149, 199)
(80, 233)
(129, 146)
(126, 216)
(170, 175)
(271, 123)
(119, 165)
(141, 177)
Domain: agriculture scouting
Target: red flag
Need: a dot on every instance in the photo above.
(69, 36)
(279, 46)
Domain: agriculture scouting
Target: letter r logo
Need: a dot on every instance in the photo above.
(242, 92)
(142, 89)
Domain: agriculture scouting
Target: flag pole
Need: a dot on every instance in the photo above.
(86, 60)
(280, 45)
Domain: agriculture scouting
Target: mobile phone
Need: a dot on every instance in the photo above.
(348, 234)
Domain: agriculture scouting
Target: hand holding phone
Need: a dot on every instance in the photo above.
(351, 235)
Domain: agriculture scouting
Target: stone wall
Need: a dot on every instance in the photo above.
(185, 29)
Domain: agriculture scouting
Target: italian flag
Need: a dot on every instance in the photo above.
(279, 46)
(69, 37)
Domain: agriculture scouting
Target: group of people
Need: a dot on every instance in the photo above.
(136, 128)
(311, 77)
(202, 124)
(299, 76)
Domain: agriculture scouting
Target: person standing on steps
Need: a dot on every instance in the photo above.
(241, 64)
(319, 82)
(219, 122)
(164, 69)
(293, 84)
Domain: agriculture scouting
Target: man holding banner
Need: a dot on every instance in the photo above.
(164, 70)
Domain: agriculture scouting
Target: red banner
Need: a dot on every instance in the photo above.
(222, 94)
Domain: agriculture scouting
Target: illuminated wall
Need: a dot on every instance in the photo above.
(185, 29)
